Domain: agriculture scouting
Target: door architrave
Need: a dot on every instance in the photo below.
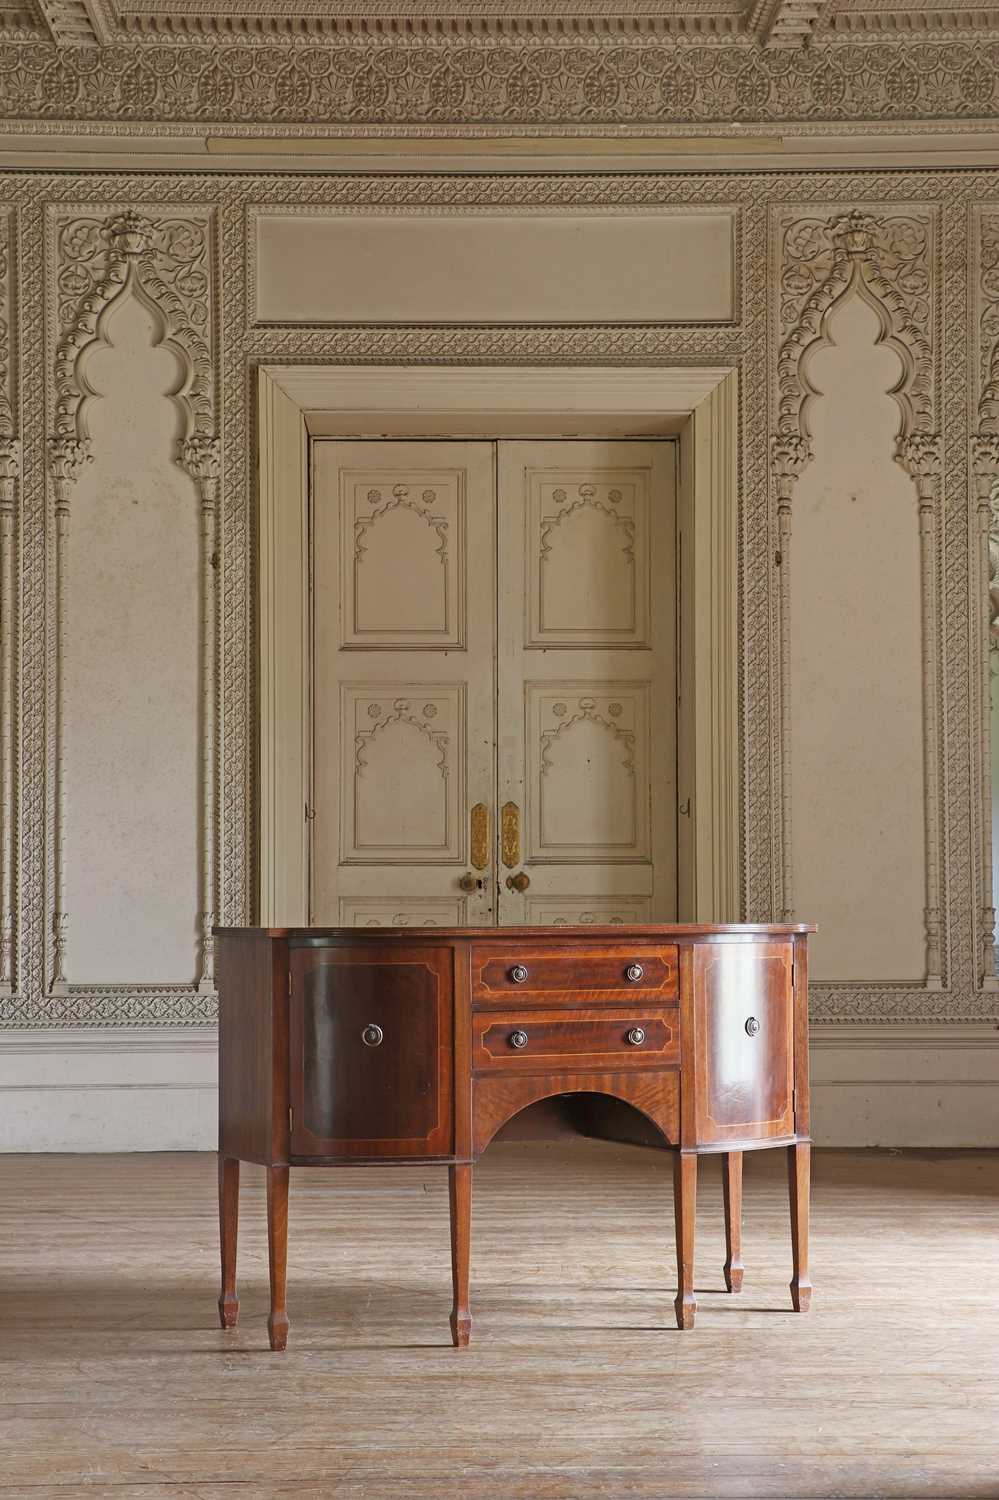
(698, 405)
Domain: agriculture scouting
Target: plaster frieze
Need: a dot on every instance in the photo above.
(584, 80)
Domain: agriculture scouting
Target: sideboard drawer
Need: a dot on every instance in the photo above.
(551, 1041)
(545, 974)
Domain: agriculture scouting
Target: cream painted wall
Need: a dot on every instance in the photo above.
(131, 674)
(856, 676)
(897, 1063)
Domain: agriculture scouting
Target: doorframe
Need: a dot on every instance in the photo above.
(697, 405)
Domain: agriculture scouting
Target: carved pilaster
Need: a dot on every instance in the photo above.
(200, 455)
(790, 453)
(921, 456)
(67, 455)
(985, 476)
(10, 468)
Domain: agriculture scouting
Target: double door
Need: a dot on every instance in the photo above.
(493, 683)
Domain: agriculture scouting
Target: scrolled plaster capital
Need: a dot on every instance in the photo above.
(67, 455)
(10, 457)
(790, 454)
(201, 456)
(921, 456)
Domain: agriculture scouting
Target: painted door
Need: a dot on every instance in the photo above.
(494, 690)
(403, 690)
(586, 764)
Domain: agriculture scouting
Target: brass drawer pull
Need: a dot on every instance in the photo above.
(752, 1026)
(634, 972)
(372, 1036)
(518, 974)
(636, 1036)
(518, 1039)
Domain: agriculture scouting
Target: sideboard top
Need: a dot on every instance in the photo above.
(668, 931)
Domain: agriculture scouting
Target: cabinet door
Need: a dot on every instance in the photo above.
(371, 1052)
(743, 1028)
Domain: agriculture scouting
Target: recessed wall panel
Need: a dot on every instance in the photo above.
(426, 267)
(131, 676)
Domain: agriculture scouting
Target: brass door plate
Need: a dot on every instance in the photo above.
(479, 838)
(510, 834)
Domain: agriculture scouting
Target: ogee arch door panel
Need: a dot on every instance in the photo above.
(743, 1033)
(587, 682)
(403, 683)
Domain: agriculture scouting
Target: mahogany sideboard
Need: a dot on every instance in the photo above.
(345, 1046)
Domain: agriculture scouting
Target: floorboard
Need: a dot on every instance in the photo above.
(115, 1380)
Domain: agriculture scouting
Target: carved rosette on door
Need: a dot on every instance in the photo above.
(493, 669)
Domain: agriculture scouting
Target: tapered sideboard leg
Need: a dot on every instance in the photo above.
(684, 1209)
(798, 1182)
(460, 1188)
(277, 1254)
(228, 1223)
(732, 1195)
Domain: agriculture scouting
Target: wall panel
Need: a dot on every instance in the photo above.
(132, 702)
(932, 294)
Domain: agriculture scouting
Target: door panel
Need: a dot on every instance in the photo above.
(587, 687)
(744, 1064)
(371, 1048)
(403, 680)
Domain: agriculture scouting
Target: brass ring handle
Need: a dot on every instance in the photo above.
(372, 1036)
(636, 1036)
(518, 974)
(634, 972)
(752, 1026)
(518, 1039)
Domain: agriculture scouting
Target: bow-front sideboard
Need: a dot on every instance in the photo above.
(343, 1046)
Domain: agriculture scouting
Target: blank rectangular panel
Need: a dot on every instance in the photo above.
(420, 267)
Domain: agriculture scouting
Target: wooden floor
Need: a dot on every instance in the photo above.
(116, 1381)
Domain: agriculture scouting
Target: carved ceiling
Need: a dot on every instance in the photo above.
(769, 23)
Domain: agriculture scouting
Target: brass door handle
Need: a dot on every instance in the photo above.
(518, 882)
(510, 834)
(478, 837)
(469, 882)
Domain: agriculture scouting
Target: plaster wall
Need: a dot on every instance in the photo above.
(129, 752)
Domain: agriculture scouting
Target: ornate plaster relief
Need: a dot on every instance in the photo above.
(929, 322)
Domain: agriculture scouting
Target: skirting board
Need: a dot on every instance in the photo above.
(140, 1090)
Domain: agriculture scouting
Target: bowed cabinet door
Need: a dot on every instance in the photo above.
(371, 1046)
(744, 1041)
